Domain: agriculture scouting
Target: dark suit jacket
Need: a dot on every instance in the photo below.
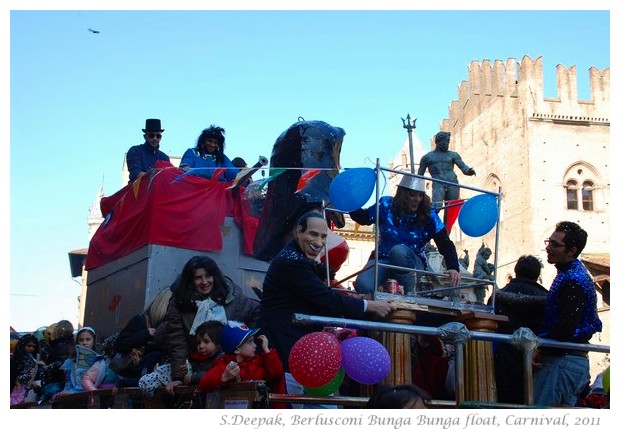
(294, 284)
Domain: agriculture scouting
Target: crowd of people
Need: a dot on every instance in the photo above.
(205, 331)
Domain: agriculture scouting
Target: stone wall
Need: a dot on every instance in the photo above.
(514, 137)
(531, 145)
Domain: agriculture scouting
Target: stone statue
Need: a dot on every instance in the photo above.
(483, 270)
(440, 163)
(465, 259)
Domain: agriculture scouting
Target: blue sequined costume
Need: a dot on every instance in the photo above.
(397, 233)
(571, 314)
(406, 230)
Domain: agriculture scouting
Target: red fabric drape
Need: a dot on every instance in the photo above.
(155, 209)
(453, 207)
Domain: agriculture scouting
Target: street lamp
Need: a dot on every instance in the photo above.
(410, 127)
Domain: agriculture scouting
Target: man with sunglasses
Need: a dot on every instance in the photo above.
(141, 158)
(570, 315)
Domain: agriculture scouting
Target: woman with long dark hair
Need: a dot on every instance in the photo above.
(202, 294)
(407, 223)
(208, 156)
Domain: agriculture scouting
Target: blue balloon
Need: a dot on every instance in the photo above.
(352, 188)
(478, 215)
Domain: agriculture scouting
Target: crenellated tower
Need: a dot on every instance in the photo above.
(510, 82)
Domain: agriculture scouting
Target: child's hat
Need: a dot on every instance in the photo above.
(234, 334)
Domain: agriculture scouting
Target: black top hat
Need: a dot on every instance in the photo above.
(152, 125)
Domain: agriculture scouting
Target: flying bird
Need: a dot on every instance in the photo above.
(93, 31)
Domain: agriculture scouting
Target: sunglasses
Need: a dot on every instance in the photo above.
(154, 135)
(554, 243)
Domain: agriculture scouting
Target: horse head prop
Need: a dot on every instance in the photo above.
(304, 146)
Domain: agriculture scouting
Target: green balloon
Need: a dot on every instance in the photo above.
(606, 380)
(328, 388)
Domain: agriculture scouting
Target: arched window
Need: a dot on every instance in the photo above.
(587, 200)
(571, 195)
(582, 186)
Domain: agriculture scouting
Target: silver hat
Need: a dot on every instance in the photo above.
(412, 183)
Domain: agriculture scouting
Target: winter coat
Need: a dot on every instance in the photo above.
(523, 301)
(197, 159)
(179, 342)
(266, 367)
(99, 376)
(141, 158)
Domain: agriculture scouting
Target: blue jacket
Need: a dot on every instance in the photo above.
(142, 157)
(195, 159)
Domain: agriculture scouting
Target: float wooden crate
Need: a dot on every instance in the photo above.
(244, 395)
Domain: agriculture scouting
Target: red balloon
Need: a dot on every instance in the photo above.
(315, 359)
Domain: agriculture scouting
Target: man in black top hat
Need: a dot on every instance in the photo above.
(141, 158)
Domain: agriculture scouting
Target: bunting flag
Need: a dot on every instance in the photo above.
(136, 186)
(190, 172)
(241, 173)
(453, 208)
(275, 172)
(306, 177)
(155, 172)
(187, 173)
(193, 171)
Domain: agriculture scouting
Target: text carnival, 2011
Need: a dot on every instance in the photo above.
(468, 421)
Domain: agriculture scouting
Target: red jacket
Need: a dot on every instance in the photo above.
(266, 366)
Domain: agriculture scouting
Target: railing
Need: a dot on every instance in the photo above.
(130, 398)
(457, 334)
(246, 395)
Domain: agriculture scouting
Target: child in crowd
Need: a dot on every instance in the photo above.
(24, 369)
(59, 337)
(140, 345)
(100, 375)
(241, 363)
(403, 396)
(75, 367)
(208, 350)
(43, 344)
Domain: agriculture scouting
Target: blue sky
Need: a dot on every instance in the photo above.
(78, 100)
